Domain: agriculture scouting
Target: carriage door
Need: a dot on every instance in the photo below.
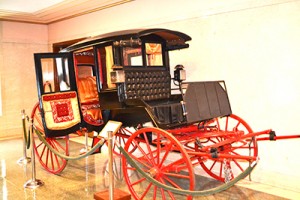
(57, 93)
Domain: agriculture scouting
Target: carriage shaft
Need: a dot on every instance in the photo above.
(283, 137)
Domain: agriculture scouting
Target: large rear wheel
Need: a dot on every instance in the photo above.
(51, 162)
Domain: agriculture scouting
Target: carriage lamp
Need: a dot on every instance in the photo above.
(117, 75)
(179, 73)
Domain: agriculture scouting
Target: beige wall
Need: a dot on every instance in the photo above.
(253, 45)
(18, 42)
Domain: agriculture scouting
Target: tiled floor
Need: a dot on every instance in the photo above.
(82, 178)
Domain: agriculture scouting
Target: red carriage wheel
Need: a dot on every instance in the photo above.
(227, 169)
(162, 156)
(121, 138)
(51, 162)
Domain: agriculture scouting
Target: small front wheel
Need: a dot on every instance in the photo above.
(227, 169)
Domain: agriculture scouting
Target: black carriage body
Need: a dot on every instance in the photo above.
(130, 82)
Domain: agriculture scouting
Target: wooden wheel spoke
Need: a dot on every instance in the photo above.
(221, 170)
(145, 155)
(180, 176)
(144, 164)
(146, 190)
(154, 192)
(148, 147)
(138, 181)
(47, 157)
(43, 151)
(238, 165)
(212, 166)
(51, 159)
(40, 144)
(236, 126)
(169, 193)
(167, 151)
(226, 124)
(178, 164)
(170, 182)
(56, 144)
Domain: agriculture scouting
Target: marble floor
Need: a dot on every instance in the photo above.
(81, 179)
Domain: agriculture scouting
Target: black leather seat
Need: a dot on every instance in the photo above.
(153, 87)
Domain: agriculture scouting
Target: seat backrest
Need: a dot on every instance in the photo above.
(87, 90)
(147, 85)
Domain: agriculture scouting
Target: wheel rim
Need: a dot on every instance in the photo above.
(227, 169)
(51, 162)
(163, 158)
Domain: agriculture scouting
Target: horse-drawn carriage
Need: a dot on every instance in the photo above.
(170, 128)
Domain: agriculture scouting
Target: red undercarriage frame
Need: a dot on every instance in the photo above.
(221, 148)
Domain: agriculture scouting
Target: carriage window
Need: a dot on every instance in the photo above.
(132, 56)
(55, 74)
(153, 54)
(63, 74)
(48, 74)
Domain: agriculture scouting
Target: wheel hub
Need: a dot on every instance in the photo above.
(153, 171)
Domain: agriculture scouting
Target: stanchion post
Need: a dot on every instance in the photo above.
(86, 146)
(112, 193)
(111, 170)
(33, 182)
(24, 160)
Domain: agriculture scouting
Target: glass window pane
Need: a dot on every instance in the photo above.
(63, 74)
(55, 73)
(48, 74)
(132, 56)
(154, 54)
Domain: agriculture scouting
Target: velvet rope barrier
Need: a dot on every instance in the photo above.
(41, 137)
(147, 176)
(188, 192)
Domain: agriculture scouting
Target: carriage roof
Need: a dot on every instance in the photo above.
(174, 39)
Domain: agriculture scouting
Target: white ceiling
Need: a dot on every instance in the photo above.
(50, 11)
(20, 6)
